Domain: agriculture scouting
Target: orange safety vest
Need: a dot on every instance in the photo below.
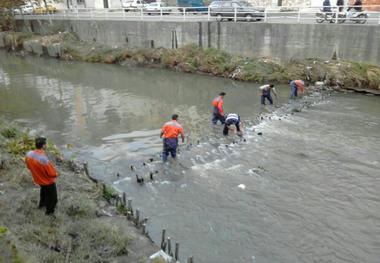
(43, 171)
(218, 105)
(172, 129)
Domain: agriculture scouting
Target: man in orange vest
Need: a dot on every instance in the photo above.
(217, 111)
(44, 174)
(170, 131)
(296, 85)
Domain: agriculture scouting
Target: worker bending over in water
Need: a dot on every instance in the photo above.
(170, 131)
(232, 119)
(295, 86)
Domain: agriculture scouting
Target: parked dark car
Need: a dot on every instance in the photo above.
(226, 9)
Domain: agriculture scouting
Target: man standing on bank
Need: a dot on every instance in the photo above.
(44, 174)
(265, 93)
(217, 111)
(170, 131)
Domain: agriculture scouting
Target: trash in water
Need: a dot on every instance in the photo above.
(242, 186)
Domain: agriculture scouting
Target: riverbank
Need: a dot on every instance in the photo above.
(192, 59)
(87, 227)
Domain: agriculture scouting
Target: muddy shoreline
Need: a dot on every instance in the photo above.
(342, 75)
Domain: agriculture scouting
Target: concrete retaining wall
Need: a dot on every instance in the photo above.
(283, 41)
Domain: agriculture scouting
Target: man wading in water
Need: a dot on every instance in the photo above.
(170, 131)
(217, 111)
(265, 93)
(44, 174)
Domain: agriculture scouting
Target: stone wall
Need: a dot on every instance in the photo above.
(283, 41)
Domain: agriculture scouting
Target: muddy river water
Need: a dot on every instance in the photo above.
(306, 190)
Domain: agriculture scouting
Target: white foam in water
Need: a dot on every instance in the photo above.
(242, 186)
(234, 167)
(122, 180)
(165, 182)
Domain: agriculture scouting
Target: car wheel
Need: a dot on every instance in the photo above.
(219, 17)
(248, 17)
(361, 19)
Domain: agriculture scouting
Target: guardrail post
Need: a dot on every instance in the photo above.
(141, 14)
(209, 15)
(184, 13)
(161, 13)
(77, 13)
(235, 13)
(91, 14)
(299, 15)
(379, 17)
(265, 15)
(336, 16)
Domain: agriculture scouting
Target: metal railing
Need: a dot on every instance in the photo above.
(291, 14)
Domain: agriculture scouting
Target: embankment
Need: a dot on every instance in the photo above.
(87, 228)
(253, 40)
(193, 59)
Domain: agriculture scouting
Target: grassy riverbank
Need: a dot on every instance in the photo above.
(86, 228)
(192, 59)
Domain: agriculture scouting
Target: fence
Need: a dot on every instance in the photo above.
(295, 14)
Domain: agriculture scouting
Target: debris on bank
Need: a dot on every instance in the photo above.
(193, 59)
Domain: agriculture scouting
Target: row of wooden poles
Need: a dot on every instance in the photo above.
(135, 217)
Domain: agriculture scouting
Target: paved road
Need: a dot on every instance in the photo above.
(283, 17)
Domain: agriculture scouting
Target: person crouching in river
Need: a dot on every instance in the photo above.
(295, 86)
(44, 174)
(170, 132)
(233, 119)
(266, 93)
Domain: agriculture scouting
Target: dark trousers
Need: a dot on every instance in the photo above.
(267, 96)
(217, 117)
(170, 146)
(293, 91)
(48, 198)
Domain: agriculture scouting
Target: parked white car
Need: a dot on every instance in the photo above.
(133, 4)
(155, 8)
(24, 9)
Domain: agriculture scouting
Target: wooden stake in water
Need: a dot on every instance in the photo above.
(85, 168)
(137, 220)
(176, 251)
(163, 239)
(130, 206)
(124, 199)
(169, 247)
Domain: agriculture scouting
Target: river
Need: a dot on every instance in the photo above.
(306, 190)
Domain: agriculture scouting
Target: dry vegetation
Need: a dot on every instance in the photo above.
(80, 232)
